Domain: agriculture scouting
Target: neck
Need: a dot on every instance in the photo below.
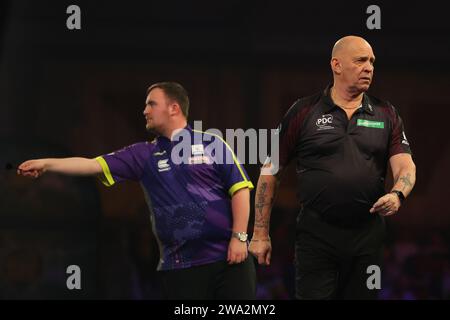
(170, 130)
(344, 96)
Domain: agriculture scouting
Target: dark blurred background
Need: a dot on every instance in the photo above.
(81, 93)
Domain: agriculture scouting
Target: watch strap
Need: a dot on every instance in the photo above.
(399, 194)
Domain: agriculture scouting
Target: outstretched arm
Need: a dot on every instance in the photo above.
(70, 166)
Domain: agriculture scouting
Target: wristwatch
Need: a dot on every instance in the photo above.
(399, 194)
(241, 236)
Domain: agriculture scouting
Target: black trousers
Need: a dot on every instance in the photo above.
(212, 281)
(332, 261)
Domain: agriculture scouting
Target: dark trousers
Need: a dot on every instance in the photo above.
(212, 281)
(332, 261)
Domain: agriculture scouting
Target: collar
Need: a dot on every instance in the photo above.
(329, 104)
(163, 139)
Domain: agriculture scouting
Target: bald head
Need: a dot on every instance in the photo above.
(347, 45)
(352, 63)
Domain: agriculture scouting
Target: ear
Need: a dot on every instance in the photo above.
(336, 66)
(174, 109)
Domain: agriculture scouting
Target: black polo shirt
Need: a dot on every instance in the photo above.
(341, 163)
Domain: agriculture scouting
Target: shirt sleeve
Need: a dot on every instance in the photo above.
(398, 142)
(125, 164)
(232, 173)
(288, 132)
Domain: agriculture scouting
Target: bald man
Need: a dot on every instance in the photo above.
(342, 140)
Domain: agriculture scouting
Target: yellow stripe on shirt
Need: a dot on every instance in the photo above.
(240, 185)
(107, 179)
(232, 153)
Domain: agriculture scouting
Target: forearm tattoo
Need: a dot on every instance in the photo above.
(260, 220)
(406, 181)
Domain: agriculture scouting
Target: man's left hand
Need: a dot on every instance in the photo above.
(387, 205)
(237, 251)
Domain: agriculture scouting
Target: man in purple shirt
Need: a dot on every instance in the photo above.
(198, 198)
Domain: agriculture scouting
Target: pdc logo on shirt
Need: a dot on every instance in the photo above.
(324, 123)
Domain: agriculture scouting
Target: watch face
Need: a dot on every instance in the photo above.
(243, 237)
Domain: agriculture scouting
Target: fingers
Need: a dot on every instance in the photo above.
(25, 166)
(25, 173)
(262, 251)
(380, 209)
(237, 252)
(261, 258)
(23, 169)
(383, 204)
(379, 205)
(386, 205)
(30, 173)
(264, 257)
(385, 210)
(30, 168)
(268, 256)
(235, 258)
(389, 212)
(31, 165)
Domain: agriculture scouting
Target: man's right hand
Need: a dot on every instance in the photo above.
(262, 250)
(32, 168)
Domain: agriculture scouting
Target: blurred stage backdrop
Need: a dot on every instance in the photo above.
(81, 93)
